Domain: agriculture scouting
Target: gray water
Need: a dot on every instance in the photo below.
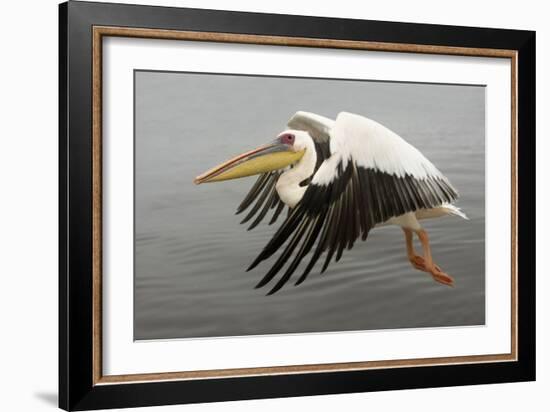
(191, 253)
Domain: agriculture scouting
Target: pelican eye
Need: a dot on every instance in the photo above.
(287, 138)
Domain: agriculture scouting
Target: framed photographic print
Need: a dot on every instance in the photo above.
(257, 205)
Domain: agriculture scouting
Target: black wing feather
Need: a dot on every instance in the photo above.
(280, 207)
(253, 192)
(267, 205)
(264, 193)
(267, 187)
(321, 245)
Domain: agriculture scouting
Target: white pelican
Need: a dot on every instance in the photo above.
(340, 179)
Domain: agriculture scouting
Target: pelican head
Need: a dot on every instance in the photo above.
(287, 149)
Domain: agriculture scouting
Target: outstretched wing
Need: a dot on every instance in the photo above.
(371, 176)
(263, 191)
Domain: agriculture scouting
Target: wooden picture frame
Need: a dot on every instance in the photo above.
(82, 384)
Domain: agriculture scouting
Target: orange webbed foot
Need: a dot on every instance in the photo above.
(420, 263)
(441, 277)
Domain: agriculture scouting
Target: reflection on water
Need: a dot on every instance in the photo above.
(191, 253)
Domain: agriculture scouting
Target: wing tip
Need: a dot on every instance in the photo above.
(252, 266)
(262, 283)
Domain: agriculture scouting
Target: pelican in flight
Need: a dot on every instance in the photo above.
(339, 179)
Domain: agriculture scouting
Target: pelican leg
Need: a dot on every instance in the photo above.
(425, 263)
(416, 261)
(436, 272)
